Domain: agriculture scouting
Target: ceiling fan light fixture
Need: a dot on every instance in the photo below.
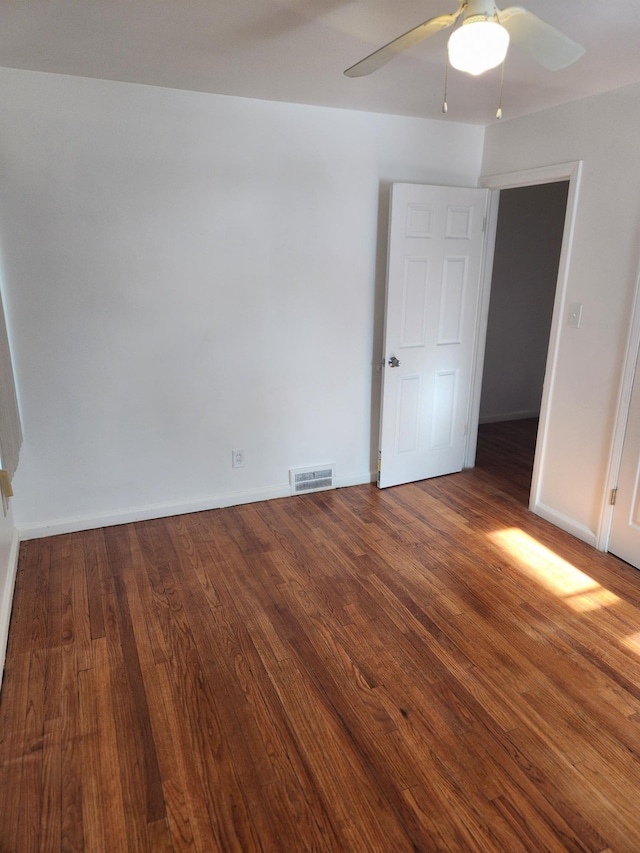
(480, 44)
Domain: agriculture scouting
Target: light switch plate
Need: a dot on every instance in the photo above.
(575, 315)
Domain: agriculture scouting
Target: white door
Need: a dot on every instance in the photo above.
(624, 539)
(436, 245)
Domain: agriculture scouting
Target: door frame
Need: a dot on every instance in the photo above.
(631, 354)
(570, 172)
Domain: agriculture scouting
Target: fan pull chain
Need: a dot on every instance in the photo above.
(445, 106)
(499, 110)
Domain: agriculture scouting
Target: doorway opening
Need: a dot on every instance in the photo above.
(528, 246)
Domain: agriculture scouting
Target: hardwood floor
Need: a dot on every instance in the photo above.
(428, 667)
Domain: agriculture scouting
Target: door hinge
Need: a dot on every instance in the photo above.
(614, 495)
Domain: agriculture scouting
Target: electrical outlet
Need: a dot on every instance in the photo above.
(237, 458)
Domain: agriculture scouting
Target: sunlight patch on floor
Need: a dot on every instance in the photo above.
(559, 576)
(632, 642)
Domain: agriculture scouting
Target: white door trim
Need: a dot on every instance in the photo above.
(632, 351)
(528, 177)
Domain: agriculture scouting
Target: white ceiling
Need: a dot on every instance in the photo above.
(296, 50)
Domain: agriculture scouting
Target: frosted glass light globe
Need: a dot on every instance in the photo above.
(477, 46)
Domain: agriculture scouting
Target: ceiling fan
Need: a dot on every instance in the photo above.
(482, 39)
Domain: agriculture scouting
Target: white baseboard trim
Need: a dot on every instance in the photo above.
(6, 600)
(55, 527)
(356, 480)
(509, 416)
(580, 531)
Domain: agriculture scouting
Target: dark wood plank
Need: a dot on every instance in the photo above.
(94, 559)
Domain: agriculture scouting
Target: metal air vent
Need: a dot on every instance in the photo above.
(304, 480)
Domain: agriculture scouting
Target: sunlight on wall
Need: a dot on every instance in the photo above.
(562, 578)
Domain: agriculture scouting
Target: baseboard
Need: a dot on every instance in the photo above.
(580, 531)
(7, 600)
(509, 416)
(55, 527)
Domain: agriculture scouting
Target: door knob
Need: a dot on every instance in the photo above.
(393, 362)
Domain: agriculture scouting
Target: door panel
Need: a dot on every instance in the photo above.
(624, 539)
(436, 245)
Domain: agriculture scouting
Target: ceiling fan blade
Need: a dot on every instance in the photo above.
(381, 56)
(551, 48)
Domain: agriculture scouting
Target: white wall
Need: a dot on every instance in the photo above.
(523, 286)
(187, 274)
(604, 132)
